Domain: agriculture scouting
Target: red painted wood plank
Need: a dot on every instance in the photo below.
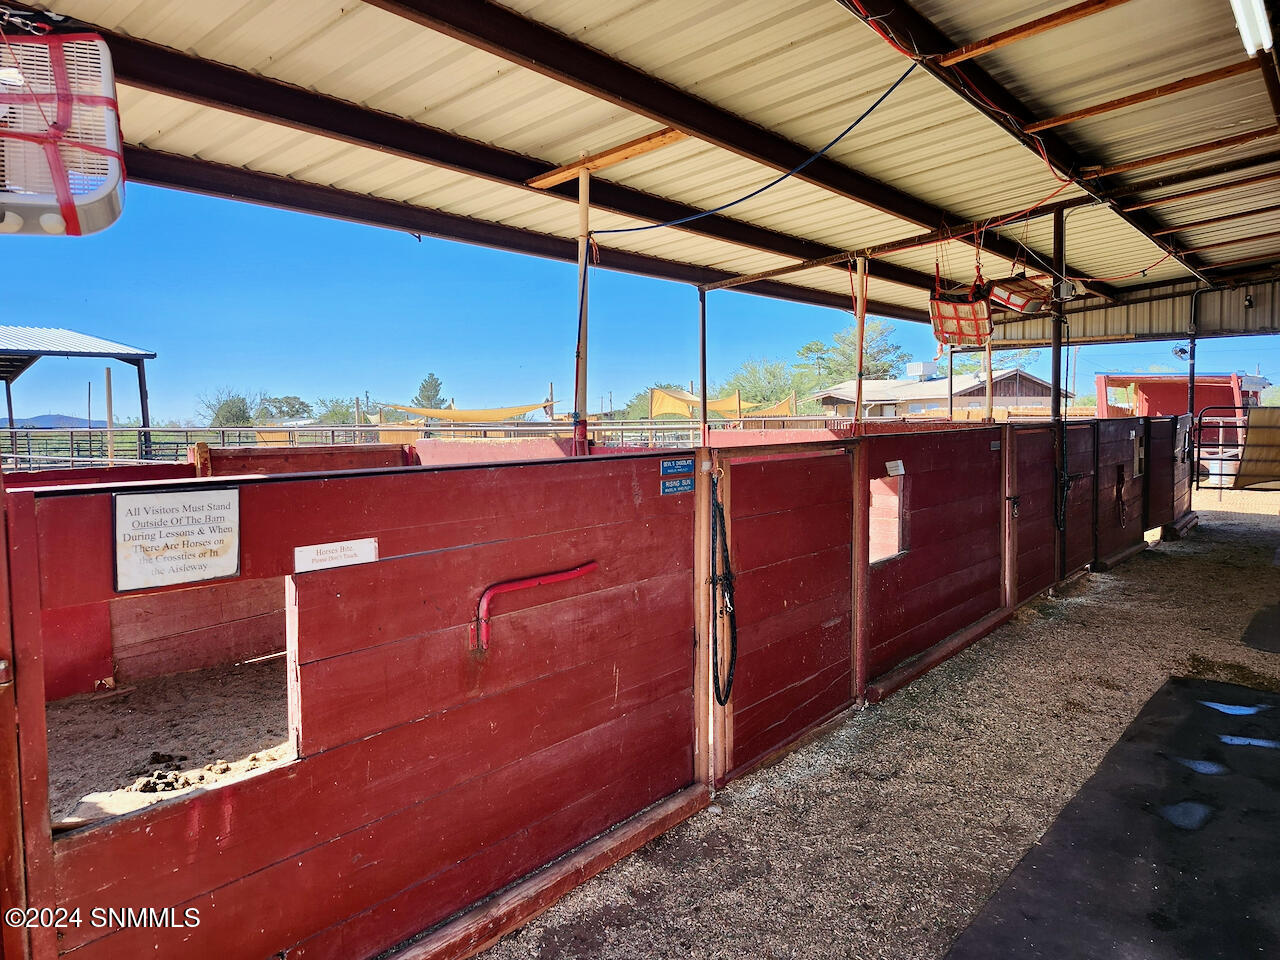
(219, 835)
(87, 475)
(947, 621)
(410, 511)
(767, 486)
(241, 461)
(764, 539)
(77, 650)
(764, 671)
(348, 874)
(353, 608)
(762, 728)
(762, 592)
(233, 642)
(351, 697)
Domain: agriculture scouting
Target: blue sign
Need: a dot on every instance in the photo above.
(675, 468)
(679, 485)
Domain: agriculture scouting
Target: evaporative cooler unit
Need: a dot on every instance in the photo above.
(61, 170)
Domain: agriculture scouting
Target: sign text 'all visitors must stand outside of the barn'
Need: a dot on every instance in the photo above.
(168, 538)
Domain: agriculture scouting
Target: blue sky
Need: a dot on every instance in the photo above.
(235, 295)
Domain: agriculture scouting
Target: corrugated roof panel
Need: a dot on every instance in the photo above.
(55, 341)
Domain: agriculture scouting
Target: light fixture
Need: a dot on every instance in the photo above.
(1254, 26)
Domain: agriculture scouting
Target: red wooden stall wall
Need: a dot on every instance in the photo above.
(1183, 465)
(1081, 444)
(83, 475)
(1120, 488)
(790, 523)
(1036, 524)
(248, 461)
(948, 574)
(431, 774)
(1161, 436)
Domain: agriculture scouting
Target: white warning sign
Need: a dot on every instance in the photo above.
(168, 538)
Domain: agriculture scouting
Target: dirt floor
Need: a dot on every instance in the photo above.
(884, 839)
(158, 738)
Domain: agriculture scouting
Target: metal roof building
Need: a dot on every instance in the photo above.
(1144, 119)
(21, 347)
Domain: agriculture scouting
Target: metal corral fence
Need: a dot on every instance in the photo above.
(59, 449)
(1225, 434)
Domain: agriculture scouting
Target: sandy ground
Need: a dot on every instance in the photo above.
(162, 737)
(884, 839)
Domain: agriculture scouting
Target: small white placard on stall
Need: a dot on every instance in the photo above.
(168, 538)
(343, 553)
(894, 468)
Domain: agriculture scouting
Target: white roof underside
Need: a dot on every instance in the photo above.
(802, 69)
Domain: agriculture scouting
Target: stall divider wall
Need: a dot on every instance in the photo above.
(613, 671)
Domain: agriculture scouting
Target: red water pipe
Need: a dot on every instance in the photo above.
(480, 627)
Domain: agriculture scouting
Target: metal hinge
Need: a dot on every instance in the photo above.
(1013, 502)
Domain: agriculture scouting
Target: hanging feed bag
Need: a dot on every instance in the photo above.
(61, 170)
(1021, 294)
(962, 316)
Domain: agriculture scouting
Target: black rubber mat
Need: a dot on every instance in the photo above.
(1263, 632)
(1171, 849)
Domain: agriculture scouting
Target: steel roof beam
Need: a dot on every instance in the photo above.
(488, 26)
(916, 32)
(1240, 139)
(163, 70)
(236, 183)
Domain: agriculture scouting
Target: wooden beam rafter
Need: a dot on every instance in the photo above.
(1224, 218)
(1204, 191)
(1144, 96)
(1240, 139)
(607, 158)
(1070, 15)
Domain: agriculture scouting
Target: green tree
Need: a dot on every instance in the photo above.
(275, 409)
(1000, 360)
(828, 363)
(335, 410)
(1271, 396)
(430, 394)
(227, 408)
(770, 381)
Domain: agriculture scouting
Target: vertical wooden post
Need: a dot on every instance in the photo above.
(111, 420)
(991, 388)
(1009, 523)
(861, 558)
(704, 743)
(580, 367)
(146, 410)
(1055, 386)
(861, 308)
(951, 383)
(13, 881)
(28, 671)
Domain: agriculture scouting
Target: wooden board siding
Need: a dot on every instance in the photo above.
(1081, 440)
(153, 634)
(1161, 436)
(249, 461)
(431, 775)
(949, 575)
(86, 475)
(1037, 531)
(1183, 466)
(792, 555)
(1015, 386)
(1120, 492)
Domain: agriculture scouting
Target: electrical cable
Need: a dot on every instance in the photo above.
(773, 183)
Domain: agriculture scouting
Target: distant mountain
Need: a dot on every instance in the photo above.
(52, 421)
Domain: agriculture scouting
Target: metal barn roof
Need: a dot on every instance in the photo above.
(20, 347)
(430, 116)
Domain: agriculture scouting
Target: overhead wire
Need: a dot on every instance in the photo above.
(777, 180)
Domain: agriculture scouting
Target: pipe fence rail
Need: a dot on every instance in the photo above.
(43, 449)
